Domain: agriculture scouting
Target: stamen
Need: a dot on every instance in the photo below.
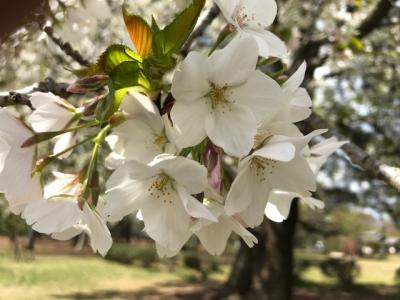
(263, 167)
(217, 95)
(160, 140)
(161, 188)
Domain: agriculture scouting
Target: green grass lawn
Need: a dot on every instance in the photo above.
(56, 277)
(373, 271)
(74, 277)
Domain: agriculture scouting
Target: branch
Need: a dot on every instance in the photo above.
(370, 164)
(309, 50)
(66, 47)
(380, 12)
(22, 97)
(14, 98)
(199, 31)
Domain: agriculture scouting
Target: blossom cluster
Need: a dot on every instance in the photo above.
(223, 156)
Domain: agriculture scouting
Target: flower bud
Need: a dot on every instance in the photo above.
(88, 84)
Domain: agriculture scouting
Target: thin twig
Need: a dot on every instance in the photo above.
(66, 47)
(358, 156)
(22, 97)
(199, 31)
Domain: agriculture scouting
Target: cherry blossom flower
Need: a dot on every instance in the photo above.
(162, 191)
(276, 164)
(223, 97)
(16, 182)
(250, 18)
(279, 202)
(144, 135)
(54, 114)
(214, 236)
(61, 215)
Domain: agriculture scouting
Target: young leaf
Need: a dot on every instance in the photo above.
(170, 39)
(129, 74)
(139, 31)
(109, 60)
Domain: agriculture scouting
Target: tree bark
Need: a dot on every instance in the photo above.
(265, 272)
(33, 235)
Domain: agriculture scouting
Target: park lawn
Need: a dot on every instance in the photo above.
(74, 277)
(62, 277)
(379, 272)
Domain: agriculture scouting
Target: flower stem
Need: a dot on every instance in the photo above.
(42, 163)
(98, 141)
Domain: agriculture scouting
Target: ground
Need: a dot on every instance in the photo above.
(49, 276)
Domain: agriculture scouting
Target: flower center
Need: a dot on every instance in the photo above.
(160, 140)
(161, 188)
(263, 167)
(217, 95)
(240, 16)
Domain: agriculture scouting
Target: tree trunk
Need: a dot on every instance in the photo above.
(265, 272)
(33, 235)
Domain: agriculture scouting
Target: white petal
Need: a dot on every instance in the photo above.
(189, 122)
(49, 216)
(253, 215)
(184, 171)
(137, 141)
(277, 151)
(246, 235)
(260, 93)
(64, 184)
(4, 150)
(12, 130)
(17, 173)
(294, 82)
(100, 237)
(68, 233)
(227, 8)
(167, 222)
(139, 107)
(190, 81)
(193, 207)
(278, 206)
(39, 99)
(268, 43)
(214, 237)
(321, 152)
(131, 170)
(50, 117)
(232, 127)
(166, 252)
(241, 191)
(113, 161)
(313, 203)
(63, 142)
(233, 64)
(124, 199)
(261, 13)
(294, 176)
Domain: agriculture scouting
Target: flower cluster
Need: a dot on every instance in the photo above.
(216, 152)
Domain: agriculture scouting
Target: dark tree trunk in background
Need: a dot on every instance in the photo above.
(265, 272)
(33, 235)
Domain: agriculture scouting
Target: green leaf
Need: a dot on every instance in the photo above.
(154, 25)
(356, 44)
(109, 60)
(170, 39)
(139, 31)
(129, 74)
